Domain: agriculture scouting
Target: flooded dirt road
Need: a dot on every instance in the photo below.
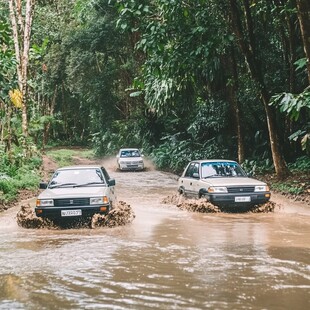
(165, 259)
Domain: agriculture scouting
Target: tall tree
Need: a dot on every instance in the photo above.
(246, 40)
(21, 22)
(303, 9)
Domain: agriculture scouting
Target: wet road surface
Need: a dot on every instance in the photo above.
(165, 259)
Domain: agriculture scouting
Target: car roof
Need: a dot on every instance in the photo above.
(212, 160)
(79, 167)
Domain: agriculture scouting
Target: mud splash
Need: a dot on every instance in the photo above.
(202, 205)
(27, 218)
(198, 205)
(121, 215)
(265, 208)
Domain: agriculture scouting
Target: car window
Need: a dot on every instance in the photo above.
(105, 173)
(192, 168)
(130, 153)
(221, 169)
(196, 169)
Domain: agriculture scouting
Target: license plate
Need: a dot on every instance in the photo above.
(243, 199)
(71, 212)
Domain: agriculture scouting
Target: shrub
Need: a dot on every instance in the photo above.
(301, 164)
(18, 173)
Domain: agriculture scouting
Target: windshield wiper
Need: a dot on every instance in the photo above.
(62, 185)
(89, 183)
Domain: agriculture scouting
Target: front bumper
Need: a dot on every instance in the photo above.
(131, 166)
(74, 212)
(238, 199)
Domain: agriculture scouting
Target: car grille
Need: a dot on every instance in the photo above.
(243, 189)
(128, 163)
(71, 202)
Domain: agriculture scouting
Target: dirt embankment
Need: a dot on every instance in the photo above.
(299, 181)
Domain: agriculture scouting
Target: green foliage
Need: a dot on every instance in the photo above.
(288, 188)
(302, 164)
(257, 166)
(7, 61)
(298, 182)
(120, 134)
(182, 53)
(174, 155)
(159, 75)
(17, 173)
(64, 157)
(292, 104)
(295, 106)
(23, 179)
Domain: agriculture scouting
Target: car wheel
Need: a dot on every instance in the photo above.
(201, 194)
(181, 191)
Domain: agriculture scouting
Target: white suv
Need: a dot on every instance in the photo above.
(130, 159)
(222, 182)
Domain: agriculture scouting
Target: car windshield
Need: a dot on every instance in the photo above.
(130, 153)
(221, 169)
(77, 177)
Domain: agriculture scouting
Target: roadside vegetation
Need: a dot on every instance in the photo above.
(17, 174)
(65, 157)
(296, 185)
(182, 82)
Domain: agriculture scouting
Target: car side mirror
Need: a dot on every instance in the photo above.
(196, 175)
(117, 156)
(43, 185)
(111, 182)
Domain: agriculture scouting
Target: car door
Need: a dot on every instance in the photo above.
(111, 188)
(191, 179)
(194, 183)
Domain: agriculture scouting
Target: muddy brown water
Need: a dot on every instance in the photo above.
(166, 258)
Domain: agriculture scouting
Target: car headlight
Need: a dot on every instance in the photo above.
(261, 188)
(217, 189)
(45, 203)
(140, 161)
(99, 200)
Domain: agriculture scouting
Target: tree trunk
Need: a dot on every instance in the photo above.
(21, 28)
(247, 47)
(232, 88)
(50, 112)
(303, 12)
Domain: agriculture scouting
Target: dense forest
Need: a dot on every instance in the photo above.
(181, 79)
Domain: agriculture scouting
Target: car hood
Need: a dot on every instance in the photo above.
(232, 181)
(72, 192)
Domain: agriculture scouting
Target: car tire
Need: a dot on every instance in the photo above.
(201, 193)
(181, 191)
